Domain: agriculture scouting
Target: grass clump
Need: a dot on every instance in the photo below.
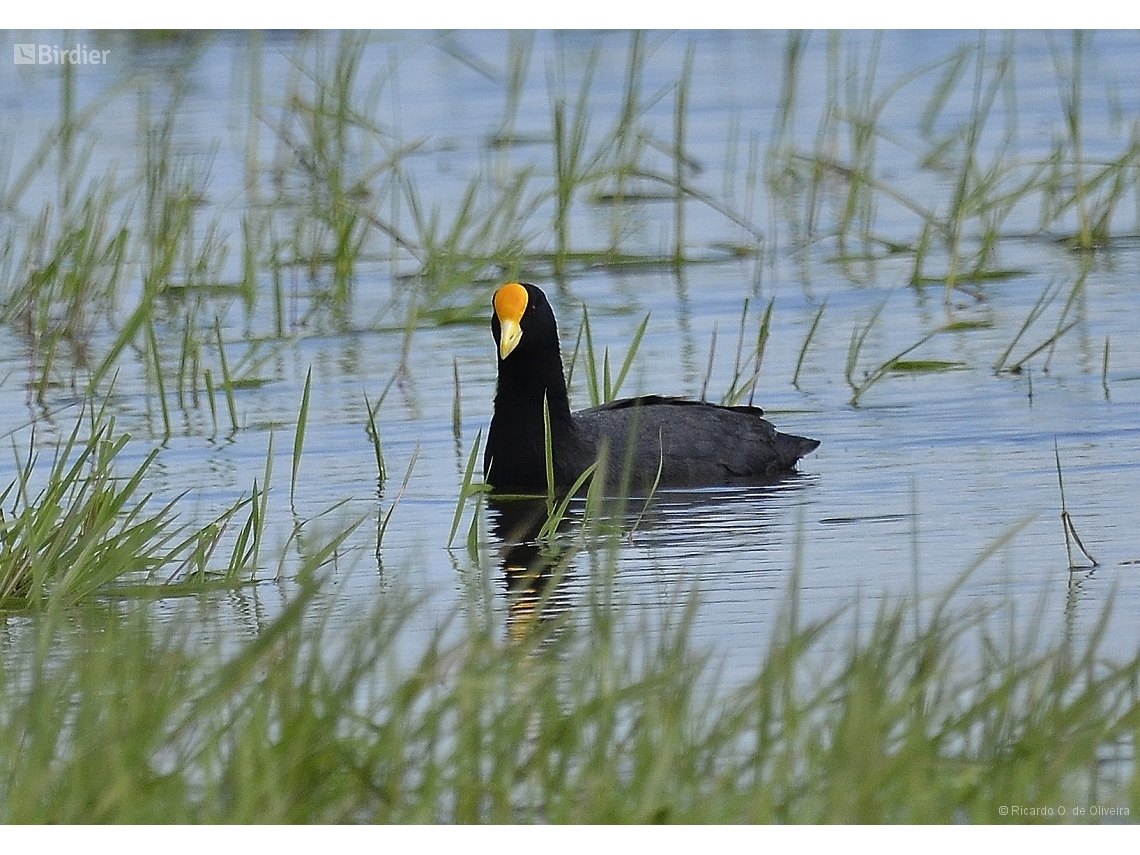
(84, 530)
(92, 529)
(991, 189)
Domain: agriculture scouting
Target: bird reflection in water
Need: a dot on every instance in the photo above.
(534, 571)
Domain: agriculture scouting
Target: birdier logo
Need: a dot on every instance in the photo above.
(33, 54)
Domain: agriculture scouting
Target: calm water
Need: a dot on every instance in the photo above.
(908, 488)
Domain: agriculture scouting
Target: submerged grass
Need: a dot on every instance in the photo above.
(343, 192)
(1071, 535)
(986, 185)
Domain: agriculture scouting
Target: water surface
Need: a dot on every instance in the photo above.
(912, 485)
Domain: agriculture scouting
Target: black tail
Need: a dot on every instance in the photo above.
(790, 448)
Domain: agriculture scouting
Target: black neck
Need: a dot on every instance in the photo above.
(517, 440)
(528, 383)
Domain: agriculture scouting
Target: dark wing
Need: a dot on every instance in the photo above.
(692, 443)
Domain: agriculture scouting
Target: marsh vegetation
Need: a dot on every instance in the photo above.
(247, 568)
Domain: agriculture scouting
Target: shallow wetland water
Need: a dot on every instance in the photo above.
(836, 200)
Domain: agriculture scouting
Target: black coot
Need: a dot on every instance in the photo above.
(691, 443)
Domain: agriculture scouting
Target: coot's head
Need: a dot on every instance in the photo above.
(523, 321)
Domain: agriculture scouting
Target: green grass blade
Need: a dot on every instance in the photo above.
(374, 436)
(227, 380)
(299, 436)
(467, 488)
(807, 342)
(627, 363)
